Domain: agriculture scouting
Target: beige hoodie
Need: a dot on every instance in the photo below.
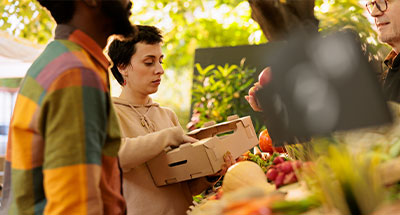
(146, 131)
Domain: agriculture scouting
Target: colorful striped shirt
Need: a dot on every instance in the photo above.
(64, 135)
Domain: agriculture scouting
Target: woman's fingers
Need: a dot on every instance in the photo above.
(189, 139)
(253, 103)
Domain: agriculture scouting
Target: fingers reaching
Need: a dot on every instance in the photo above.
(251, 97)
(253, 103)
(189, 139)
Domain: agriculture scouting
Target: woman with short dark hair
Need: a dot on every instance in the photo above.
(147, 128)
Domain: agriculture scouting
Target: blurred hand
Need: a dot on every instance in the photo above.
(185, 139)
(263, 79)
(229, 161)
(265, 76)
(189, 139)
(251, 99)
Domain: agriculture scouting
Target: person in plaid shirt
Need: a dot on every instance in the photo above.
(64, 135)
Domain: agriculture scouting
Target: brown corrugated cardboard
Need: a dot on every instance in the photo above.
(204, 157)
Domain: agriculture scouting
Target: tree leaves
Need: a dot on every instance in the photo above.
(26, 19)
(218, 92)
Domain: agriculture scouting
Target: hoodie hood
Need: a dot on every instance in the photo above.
(119, 101)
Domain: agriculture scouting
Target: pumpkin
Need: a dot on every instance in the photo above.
(244, 174)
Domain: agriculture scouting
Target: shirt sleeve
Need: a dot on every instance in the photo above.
(138, 150)
(73, 123)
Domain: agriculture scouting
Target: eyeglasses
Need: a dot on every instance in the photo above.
(380, 4)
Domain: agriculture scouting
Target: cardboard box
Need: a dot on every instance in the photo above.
(205, 157)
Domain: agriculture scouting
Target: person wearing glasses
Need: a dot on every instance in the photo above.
(387, 20)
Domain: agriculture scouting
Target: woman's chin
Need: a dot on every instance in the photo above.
(153, 91)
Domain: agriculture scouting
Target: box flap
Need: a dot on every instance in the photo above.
(219, 128)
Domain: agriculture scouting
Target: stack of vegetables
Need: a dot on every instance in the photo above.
(246, 191)
(280, 169)
(350, 173)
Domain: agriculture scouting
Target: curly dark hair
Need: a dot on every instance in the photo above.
(121, 50)
(61, 10)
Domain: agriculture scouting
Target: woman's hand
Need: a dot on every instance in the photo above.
(229, 161)
(185, 139)
(189, 139)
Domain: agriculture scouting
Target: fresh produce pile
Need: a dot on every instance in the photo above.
(279, 170)
(283, 172)
(245, 191)
(353, 172)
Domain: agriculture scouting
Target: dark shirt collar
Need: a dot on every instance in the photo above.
(392, 60)
(66, 32)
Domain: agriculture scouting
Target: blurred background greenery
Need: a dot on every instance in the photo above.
(192, 24)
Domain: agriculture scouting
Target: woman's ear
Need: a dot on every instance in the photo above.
(123, 70)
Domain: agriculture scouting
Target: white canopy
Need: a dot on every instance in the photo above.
(16, 55)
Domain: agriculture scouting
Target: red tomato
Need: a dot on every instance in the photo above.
(265, 142)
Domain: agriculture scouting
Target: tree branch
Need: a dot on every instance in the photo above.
(277, 18)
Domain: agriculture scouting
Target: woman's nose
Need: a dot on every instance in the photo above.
(159, 69)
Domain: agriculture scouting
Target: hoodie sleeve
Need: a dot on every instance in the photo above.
(138, 150)
(198, 185)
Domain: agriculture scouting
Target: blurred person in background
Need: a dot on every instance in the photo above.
(387, 20)
(147, 128)
(64, 136)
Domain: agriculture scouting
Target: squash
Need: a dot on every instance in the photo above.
(245, 174)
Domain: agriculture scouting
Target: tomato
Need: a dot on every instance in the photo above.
(265, 142)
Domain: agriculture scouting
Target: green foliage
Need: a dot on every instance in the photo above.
(188, 25)
(26, 19)
(218, 92)
(264, 164)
